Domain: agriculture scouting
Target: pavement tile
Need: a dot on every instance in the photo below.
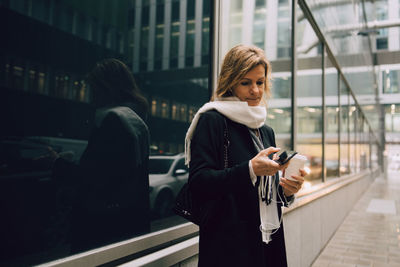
(378, 264)
(341, 265)
(358, 262)
(374, 258)
(365, 238)
(321, 263)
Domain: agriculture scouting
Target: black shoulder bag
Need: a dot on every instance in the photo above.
(185, 205)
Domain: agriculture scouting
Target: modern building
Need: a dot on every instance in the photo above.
(335, 98)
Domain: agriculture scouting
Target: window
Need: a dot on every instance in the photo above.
(390, 81)
(44, 73)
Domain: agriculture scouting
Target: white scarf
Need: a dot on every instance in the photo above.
(238, 111)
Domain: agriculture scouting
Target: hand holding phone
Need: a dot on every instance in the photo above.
(285, 157)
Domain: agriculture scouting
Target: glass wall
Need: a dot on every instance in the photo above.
(279, 108)
(309, 122)
(332, 122)
(352, 131)
(241, 22)
(392, 118)
(344, 129)
(47, 109)
(47, 106)
(309, 108)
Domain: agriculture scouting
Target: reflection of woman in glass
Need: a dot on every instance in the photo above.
(243, 225)
(112, 185)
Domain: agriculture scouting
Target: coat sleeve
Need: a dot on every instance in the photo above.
(208, 179)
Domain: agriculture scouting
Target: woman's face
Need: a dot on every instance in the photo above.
(251, 87)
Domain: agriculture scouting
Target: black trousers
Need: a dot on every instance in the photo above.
(275, 251)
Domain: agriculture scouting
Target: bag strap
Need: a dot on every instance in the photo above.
(226, 144)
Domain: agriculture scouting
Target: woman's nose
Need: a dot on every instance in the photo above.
(254, 88)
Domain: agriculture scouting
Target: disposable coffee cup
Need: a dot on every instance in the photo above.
(295, 164)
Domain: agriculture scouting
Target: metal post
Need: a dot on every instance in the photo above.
(214, 45)
(339, 123)
(293, 69)
(348, 130)
(323, 114)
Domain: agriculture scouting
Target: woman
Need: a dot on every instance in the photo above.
(111, 180)
(244, 223)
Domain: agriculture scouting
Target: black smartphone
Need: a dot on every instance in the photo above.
(285, 156)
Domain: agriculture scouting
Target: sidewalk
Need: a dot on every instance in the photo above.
(370, 234)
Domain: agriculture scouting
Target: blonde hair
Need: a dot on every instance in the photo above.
(237, 63)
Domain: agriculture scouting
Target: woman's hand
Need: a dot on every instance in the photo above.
(263, 165)
(292, 187)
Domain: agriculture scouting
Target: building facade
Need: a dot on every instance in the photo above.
(335, 98)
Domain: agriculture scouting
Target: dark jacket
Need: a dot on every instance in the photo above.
(231, 235)
(111, 181)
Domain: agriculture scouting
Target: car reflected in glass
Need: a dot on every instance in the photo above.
(167, 174)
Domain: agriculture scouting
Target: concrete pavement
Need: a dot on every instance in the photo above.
(370, 234)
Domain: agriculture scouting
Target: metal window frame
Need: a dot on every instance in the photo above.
(309, 16)
(129, 249)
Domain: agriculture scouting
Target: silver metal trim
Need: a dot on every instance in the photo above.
(125, 248)
(168, 256)
(293, 70)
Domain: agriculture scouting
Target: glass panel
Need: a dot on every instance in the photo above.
(351, 45)
(235, 15)
(259, 23)
(359, 124)
(283, 28)
(344, 129)
(309, 114)
(49, 111)
(374, 155)
(390, 81)
(332, 125)
(365, 157)
(352, 130)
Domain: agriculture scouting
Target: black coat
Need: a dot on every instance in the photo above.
(231, 235)
(111, 182)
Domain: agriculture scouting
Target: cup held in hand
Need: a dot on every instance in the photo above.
(295, 164)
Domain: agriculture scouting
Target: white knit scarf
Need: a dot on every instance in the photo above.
(234, 109)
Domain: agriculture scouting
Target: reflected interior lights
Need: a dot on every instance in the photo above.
(312, 110)
(271, 116)
(369, 107)
(278, 110)
(392, 109)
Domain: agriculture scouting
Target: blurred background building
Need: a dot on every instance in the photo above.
(335, 94)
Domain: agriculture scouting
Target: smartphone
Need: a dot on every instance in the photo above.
(285, 156)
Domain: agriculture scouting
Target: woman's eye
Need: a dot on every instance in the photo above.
(260, 83)
(244, 83)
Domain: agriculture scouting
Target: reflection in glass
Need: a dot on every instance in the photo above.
(352, 131)
(332, 135)
(44, 71)
(390, 81)
(309, 140)
(344, 130)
